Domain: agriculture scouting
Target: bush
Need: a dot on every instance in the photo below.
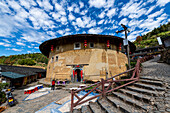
(26, 62)
(2, 94)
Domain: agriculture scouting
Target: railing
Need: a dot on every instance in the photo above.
(110, 82)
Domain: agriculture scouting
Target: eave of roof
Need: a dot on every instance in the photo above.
(45, 50)
(12, 75)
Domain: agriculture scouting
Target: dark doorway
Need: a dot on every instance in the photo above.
(77, 71)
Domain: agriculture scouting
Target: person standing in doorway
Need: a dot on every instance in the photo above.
(53, 85)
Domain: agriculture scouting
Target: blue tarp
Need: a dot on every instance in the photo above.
(53, 107)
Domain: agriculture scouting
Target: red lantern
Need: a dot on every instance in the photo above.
(73, 73)
(108, 44)
(85, 43)
(52, 48)
(81, 73)
(120, 46)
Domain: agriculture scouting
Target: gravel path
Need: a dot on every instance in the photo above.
(32, 106)
(158, 70)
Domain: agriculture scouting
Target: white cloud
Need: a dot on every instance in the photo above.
(20, 43)
(150, 9)
(91, 24)
(1, 43)
(58, 7)
(124, 21)
(36, 47)
(97, 3)
(34, 36)
(5, 40)
(27, 4)
(81, 4)
(4, 7)
(79, 22)
(71, 17)
(163, 2)
(83, 12)
(76, 10)
(111, 12)
(14, 49)
(45, 4)
(29, 47)
(61, 32)
(101, 22)
(14, 5)
(95, 30)
(29, 52)
(156, 14)
(132, 9)
(102, 15)
(101, 3)
(44, 21)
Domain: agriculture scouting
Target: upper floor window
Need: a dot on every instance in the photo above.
(91, 45)
(77, 45)
(57, 48)
(52, 59)
(56, 58)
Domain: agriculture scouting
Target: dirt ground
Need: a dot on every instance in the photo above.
(32, 106)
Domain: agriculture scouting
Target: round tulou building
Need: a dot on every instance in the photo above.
(85, 57)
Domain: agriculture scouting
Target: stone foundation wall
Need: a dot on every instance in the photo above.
(99, 61)
(165, 56)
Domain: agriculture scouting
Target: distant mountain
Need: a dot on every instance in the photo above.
(150, 39)
(31, 59)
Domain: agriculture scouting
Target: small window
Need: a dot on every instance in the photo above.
(52, 59)
(57, 48)
(91, 45)
(77, 45)
(56, 58)
(110, 47)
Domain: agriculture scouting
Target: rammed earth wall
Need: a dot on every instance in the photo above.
(99, 61)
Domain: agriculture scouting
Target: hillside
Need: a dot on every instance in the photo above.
(150, 39)
(31, 59)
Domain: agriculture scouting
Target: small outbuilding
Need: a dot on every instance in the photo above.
(18, 76)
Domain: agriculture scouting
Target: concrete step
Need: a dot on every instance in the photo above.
(85, 109)
(144, 91)
(135, 102)
(95, 107)
(124, 107)
(150, 78)
(151, 87)
(157, 83)
(108, 106)
(76, 111)
(139, 96)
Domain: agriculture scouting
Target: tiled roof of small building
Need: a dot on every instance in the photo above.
(21, 70)
(12, 75)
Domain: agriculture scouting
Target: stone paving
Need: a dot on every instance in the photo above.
(31, 106)
(160, 71)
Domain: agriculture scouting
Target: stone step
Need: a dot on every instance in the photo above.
(144, 91)
(108, 106)
(76, 111)
(136, 95)
(132, 101)
(85, 109)
(124, 107)
(150, 78)
(152, 87)
(158, 83)
(95, 107)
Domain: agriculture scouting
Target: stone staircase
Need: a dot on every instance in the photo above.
(148, 95)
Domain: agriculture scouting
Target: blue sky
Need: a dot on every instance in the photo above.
(25, 24)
